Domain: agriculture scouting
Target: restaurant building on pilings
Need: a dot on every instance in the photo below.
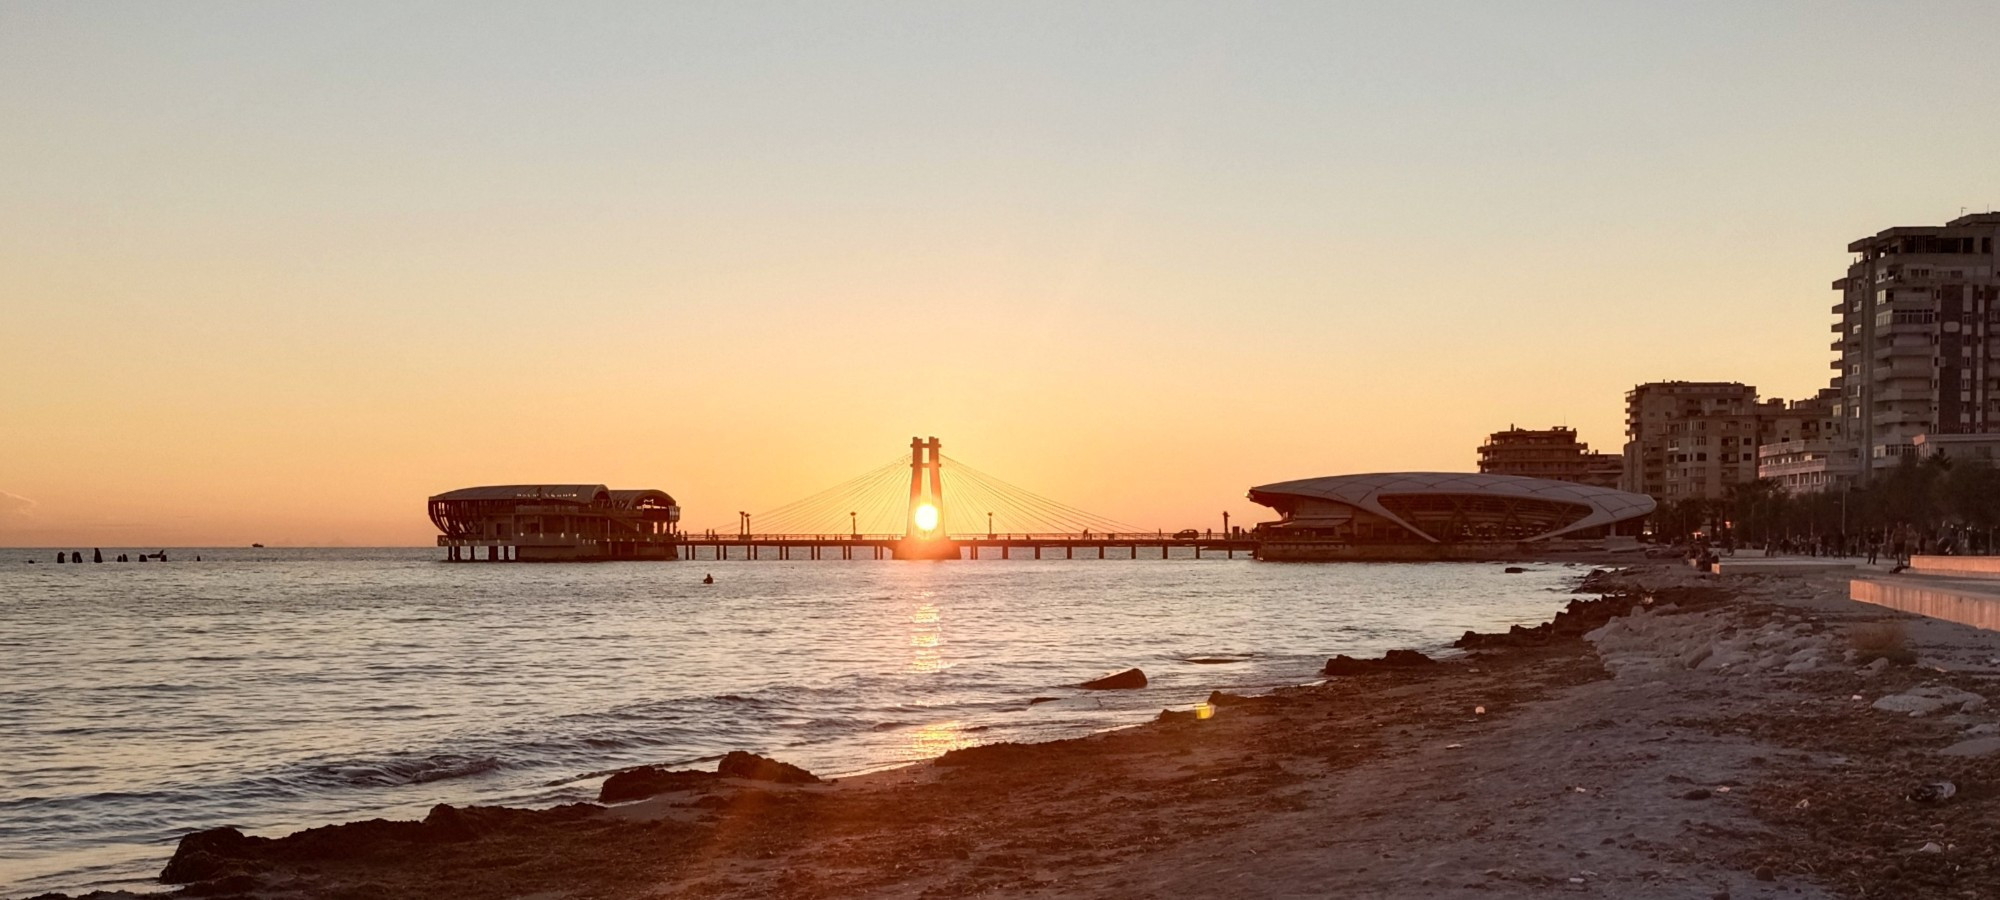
(556, 523)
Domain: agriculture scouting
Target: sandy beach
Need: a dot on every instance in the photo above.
(1687, 736)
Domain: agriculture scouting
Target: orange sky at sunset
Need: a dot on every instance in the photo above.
(277, 274)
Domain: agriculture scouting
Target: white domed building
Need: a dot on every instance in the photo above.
(1438, 515)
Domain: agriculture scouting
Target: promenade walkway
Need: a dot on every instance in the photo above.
(1962, 589)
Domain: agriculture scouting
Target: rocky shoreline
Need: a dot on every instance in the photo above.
(1679, 736)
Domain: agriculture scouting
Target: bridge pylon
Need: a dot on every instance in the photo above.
(924, 535)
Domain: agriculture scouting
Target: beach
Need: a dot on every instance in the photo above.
(274, 691)
(1649, 744)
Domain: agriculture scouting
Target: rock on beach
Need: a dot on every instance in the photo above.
(1128, 680)
(1394, 659)
(750, 766)
(1926, 699)
(647, 781)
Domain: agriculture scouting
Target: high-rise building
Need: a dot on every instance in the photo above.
(1914, 345)
(1554, 453)
(1695, 439)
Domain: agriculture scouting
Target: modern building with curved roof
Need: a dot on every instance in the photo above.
(1436, 515)
(556, 522)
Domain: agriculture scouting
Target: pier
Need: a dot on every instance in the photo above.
(1156, 545)
(941, 509)
(940, 502)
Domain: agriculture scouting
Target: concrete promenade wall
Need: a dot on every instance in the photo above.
(1968, 566)
(1966, 607)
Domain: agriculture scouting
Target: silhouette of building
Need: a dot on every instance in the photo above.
(1914, 350)
(556, 522)
(1552, 453)
(1695, 439)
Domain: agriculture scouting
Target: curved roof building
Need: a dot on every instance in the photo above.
(1434, 514)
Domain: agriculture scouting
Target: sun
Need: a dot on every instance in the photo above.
(927, 518)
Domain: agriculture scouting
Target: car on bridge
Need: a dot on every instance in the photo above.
(1187, 534)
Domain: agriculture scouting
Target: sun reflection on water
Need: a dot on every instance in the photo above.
(926, 640)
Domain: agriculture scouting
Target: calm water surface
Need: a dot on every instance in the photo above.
(279, 689)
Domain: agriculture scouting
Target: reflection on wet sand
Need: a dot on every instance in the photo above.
(936, 740)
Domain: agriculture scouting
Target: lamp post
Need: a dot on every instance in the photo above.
(989, 526)
(744, 525)
(1225, 524)
(853, 525)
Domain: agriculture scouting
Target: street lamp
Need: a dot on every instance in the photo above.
(989, 526)
(853, 525)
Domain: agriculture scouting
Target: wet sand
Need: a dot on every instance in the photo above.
(1673, 756)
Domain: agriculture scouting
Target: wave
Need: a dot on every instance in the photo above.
(405, 771)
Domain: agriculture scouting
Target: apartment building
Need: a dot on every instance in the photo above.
(1552, 453)
(1695, 439)
(1915, 350)
(1816, 457)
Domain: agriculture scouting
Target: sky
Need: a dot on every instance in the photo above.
(278, 272)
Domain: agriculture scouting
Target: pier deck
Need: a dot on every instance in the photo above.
(810, 547)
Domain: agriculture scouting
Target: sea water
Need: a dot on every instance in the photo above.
(274, 690)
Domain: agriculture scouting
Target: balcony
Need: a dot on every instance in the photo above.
(1921, 420)
(1904, 367)
(1901, 394)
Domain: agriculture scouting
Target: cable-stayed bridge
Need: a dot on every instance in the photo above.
(930, 506)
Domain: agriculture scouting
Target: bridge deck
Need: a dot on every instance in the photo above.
(758, 547)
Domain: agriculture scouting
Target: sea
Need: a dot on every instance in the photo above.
(279, 689)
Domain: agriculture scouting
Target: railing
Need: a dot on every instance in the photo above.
(559, 539)
(704, 537)
(700, 537)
